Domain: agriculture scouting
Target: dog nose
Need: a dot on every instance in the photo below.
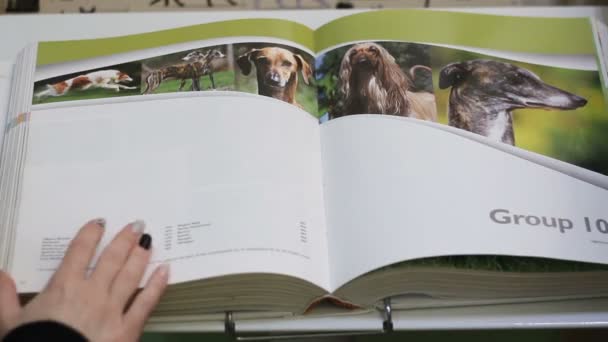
(579, 101)
(273, 78)
(362, 60)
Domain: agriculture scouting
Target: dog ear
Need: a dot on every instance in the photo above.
(451, 74)
(385, 54)
(304, 67)
(344, 74)
(244, 61)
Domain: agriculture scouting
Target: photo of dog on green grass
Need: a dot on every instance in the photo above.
(554, 111)
(278, 71)
(110, 81)
(208, 68)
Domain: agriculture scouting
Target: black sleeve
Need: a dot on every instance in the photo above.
(44, 331)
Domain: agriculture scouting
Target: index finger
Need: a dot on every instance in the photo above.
(80, 252)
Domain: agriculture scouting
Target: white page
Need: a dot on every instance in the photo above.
(398, 190)
(5, 79)
(226, 184)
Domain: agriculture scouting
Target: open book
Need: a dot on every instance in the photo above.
(436, 158)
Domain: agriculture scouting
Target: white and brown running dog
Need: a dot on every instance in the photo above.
(371, 82)
(107, 79)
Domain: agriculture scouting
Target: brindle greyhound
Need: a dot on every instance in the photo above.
(203, 61)
(484, 93)
(199, 64)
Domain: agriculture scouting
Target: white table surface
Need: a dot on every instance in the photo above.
(18, 30)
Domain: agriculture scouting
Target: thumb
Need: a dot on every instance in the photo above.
(9, 302)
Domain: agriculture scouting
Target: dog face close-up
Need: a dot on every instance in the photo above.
(124, 78)
(216, 54)
(366, 56)
(505, 86)
(276, 67)
(198, 55)
(369, 61)
(194, 56)
(372, 82)
(484, 93)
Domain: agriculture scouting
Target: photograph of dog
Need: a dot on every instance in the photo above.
(390, 78)
(281, 72)
(170, 73)
(111, 81)
(484, 94)
(551, 110)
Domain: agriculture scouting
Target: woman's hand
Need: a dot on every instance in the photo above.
(94, 304)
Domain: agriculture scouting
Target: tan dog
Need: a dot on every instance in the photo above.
(371, 82)
(277, 71)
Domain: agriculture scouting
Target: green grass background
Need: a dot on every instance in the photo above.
(224, 80)
(574, 136)
(84, 95)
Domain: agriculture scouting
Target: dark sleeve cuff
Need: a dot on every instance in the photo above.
(44, 331)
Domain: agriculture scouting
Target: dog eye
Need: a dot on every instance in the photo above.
(373, 49)
(262, 60)
(287, 63)
(514, 78)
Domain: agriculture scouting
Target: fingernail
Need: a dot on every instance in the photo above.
(163, 271)
(138, 226)
(100, 222)
(145, 241)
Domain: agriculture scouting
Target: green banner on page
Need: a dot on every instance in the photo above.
(65, 51)
(506, 33)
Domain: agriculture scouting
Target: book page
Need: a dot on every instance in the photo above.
(398, 190)
(527, 99)
(227, 183)
(206, 132)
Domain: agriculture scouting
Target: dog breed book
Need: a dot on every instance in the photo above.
(278, 166)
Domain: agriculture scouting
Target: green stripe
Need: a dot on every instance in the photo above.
(517, 34)
(64, 51)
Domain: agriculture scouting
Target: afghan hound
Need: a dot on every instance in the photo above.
(371, 82)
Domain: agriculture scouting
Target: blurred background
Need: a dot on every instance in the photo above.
(574, 136)
(88, 6)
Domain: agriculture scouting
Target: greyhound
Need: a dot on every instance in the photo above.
(484, 93)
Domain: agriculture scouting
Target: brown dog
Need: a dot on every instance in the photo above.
(277, 71)
(372, 82)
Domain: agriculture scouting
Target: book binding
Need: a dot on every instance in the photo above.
(387, 327)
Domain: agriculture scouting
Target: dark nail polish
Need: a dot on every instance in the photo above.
(100, 222)
(145, 241)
